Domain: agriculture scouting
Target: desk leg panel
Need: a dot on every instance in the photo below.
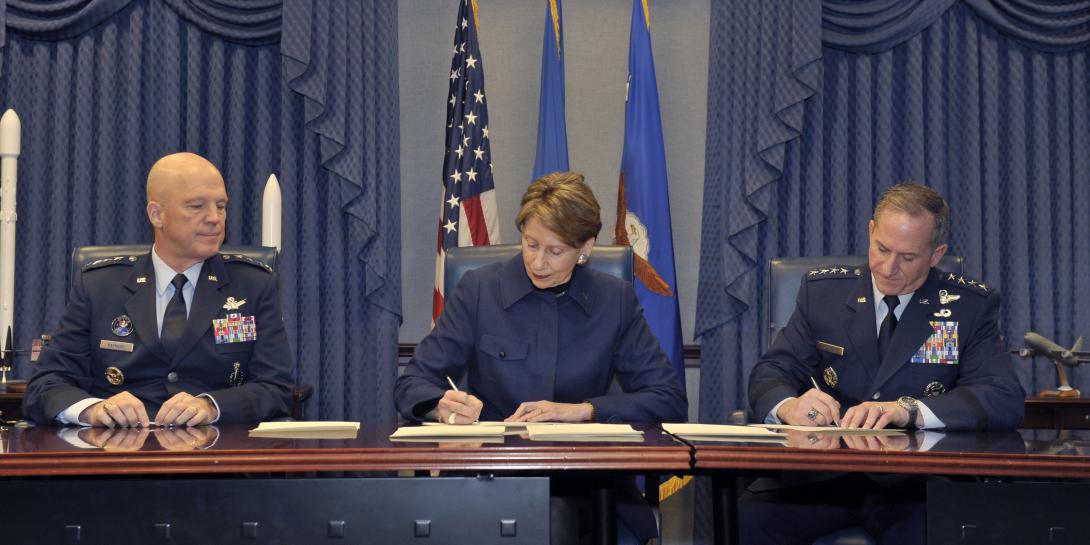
(507, 510)
(965, 513)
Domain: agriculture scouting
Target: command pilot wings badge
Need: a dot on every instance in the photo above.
(946, 298)
(233, 304)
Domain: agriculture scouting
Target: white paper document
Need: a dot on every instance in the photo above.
(446, 432)
(553, 431)
(322, 429)
(723, 432)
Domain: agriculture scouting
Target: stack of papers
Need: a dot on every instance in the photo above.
(538, 431)
(446, 432)
(553, 431)
(724, 432)
(307, 430)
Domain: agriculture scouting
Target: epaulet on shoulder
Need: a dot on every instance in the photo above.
(833, 271)
(107, 261)
(239, 258)
(964, 282)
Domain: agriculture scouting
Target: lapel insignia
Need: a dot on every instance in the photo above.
(212, 278)
(121, 326)
(945, 298)
(943, 313)
(934, 388)
(232, 304)
(926, 302)
(830, 377)
(861, 300)
(114, 376)
(141, 280)
(941, 347)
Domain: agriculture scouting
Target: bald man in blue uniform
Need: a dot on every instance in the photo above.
(894, 343)
(180, 335)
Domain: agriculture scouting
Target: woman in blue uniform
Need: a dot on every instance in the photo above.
(540, 338)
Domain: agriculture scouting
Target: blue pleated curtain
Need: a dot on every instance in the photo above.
(303, 89)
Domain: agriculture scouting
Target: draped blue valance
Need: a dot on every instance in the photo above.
(873, 26)
(252, 22)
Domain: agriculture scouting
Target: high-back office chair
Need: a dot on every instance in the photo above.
(781, 289)
(614, 260)
(785, 275)
(82, 255)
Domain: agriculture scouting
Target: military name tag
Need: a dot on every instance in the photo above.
(235, 328)
(830, 348)
(115, 345)
(941, 347)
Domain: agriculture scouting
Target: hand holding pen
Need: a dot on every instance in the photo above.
(458, 407)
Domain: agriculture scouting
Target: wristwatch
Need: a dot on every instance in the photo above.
(912, 406)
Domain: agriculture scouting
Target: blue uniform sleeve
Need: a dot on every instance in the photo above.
(63, 373)
(652, 390)
(266, 393)
(987, 395)
(444, 352)
(784, 370)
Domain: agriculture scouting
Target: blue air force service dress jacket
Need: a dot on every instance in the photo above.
(946, 350)
(515, 344)
(107, 342)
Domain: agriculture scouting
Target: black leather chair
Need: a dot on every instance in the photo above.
(785, 274)
(614, 260)
(82, 255)
(781, 289)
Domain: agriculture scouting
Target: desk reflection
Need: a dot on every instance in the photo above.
(131, 439)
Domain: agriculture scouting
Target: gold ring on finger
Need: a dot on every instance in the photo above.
(108, 406)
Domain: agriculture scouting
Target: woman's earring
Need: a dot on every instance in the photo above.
(582, 259)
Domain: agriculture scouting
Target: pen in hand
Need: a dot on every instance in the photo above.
(450, 419)
(816, 387)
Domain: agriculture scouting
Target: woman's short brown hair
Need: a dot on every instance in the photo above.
(563, 204)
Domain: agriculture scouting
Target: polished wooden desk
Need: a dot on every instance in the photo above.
(236, 486)
(1039, 473)
(1057, 413)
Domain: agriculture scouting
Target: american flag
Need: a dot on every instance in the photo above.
(467, 216)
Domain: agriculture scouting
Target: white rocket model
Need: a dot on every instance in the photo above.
(271, 213)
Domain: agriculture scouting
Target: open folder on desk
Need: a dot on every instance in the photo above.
(724, 432)
(307, 430)
(553, 431)
(830, 429)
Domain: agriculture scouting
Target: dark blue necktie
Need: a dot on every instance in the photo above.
(174, 318)
(885, 333)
